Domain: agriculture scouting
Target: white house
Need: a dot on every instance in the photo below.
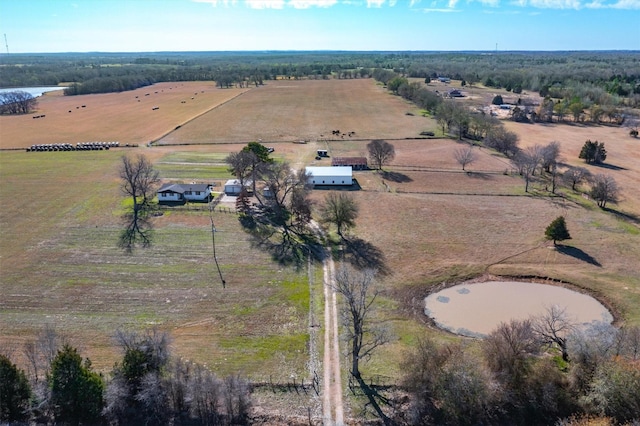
(181, 192)
(336, 176)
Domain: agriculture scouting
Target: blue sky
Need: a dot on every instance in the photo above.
(228, 25)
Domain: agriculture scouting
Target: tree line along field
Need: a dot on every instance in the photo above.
(435, 224)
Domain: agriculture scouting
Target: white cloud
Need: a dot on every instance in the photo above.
(305, 4)
(375, 3)
(556, 4)
(435, 10)
(215, 3)
(626, 4)
(452, 3)
(265, 4)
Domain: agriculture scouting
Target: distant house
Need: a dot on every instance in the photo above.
(336, 176)
(356, 163)
(444, 79)
(182, 192)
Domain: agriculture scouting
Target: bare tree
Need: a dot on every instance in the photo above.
(550, 155)
(553, 327)
(502, 141)
(236, 400)
(526, 161)
(604, 189)
(380, 153)
(286, 212)
(465, 156)
(339, 209)
(575, 175)
(139, 181)
(358, 288)
(507, 349)
(630, 342)
(359, 292)
(17, 102)
(448, 384)
(242, 164)
(41, 352)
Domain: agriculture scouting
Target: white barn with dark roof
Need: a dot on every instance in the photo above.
(336, 176)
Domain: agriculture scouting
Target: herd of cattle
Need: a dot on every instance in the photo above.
(81, 146)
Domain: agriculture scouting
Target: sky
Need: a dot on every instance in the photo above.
(43, 26)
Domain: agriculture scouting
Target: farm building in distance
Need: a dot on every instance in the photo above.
(234, 186)
(336, 176)
(181, 192)
(356, 163)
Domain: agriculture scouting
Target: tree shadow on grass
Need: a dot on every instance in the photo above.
(287, 248)
(578, 254)
(479, 175)
(624, 216)
(362, 254)
(395, 177)
(608, 166)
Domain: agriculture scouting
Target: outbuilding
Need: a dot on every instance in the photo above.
(336, 176)
(232, 187)
(356, 163)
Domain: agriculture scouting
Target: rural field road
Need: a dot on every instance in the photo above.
(332, 408)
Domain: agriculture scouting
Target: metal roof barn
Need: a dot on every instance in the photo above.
(342, 175)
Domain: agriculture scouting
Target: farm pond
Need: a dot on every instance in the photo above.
(476, 309)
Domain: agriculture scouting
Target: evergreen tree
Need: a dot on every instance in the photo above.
(76, 391)
(14, 392)
(593, 152)
(557, 230)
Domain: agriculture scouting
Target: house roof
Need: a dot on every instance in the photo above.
(171, 187)
(344, 171)
(180, 188)
(349, 161)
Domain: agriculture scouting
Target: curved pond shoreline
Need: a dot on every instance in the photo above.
(475, 307)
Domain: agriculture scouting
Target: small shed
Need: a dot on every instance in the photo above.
(232, 187)
(356, 163)
(332, 176)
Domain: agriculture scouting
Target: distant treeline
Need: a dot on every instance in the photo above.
(615, 74)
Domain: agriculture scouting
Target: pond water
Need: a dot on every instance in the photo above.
(477, 309)
(34, 91)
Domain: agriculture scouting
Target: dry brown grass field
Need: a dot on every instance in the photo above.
(286, 110)
(433, 222)
(126, 117)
